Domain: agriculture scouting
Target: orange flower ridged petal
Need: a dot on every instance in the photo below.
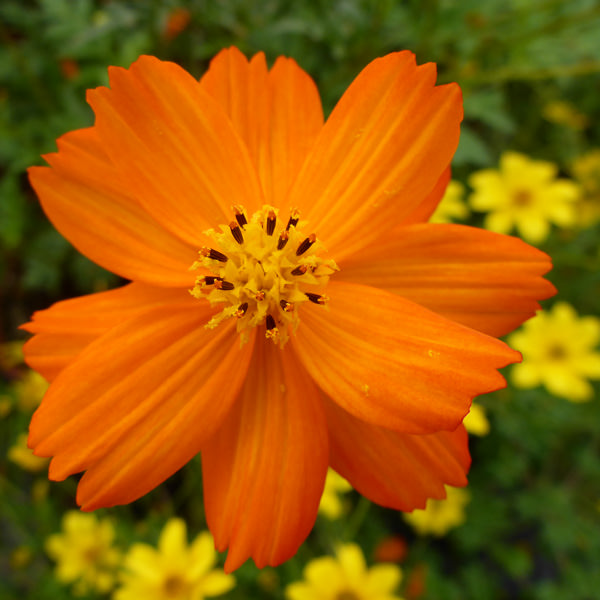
(175, 145)
(264, 470)
(380, 153)
(487, 281)
(276, 112)
(426, 208)
(89, 202)
(393, 363)
(393, 469)
(67, 327)
(136, 406)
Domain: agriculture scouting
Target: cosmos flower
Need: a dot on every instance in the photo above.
(524, 194)
(289, 307)
(175, 570)
(560, 352)
(346, 577)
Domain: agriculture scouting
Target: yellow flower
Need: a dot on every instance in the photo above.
(346, 577)
(439, 516)
(452, 206)
(558, 352)
(525, 194)
(586, 170)
(331, 506)
(11, 355)
(564, 113)
(30, 390)
(476, 422)
(176, 571)
(84, 553)
(21, 455)
(5, 405)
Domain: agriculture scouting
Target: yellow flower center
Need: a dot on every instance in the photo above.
(522, 197)
(262, 270)
(557, 352)
(92, 554)
(347, 595)
(175, 586)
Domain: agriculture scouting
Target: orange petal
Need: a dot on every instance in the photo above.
(395, 364)
(393, 469)
(264, 470)
(175, 146)
(380, 153)
(138, 402)
(67, 327)
(423, 212)
(277, 113)
(90, 203)
(484, 280)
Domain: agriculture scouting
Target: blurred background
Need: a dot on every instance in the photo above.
(528, 164)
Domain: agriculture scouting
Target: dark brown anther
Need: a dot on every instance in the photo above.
(316, 298)
(306, 244)
(300, 270)
(240, 217)
(283, 240)
(271, 220)
(214, 254)
(224, 285)
(293, 220)
(236, 232)
(241, 310)
(286, 306)
(270, 323)
(209, 279)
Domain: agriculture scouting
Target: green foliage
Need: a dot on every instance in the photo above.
(533, 524)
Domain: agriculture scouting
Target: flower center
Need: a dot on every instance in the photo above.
(175, 586)
(556, 352)
(346, 595)
(262, 270)
(522, 197)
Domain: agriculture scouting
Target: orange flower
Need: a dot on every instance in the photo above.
(268, 369)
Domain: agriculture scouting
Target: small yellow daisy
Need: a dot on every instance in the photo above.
(84, 553)
(440, 516)
(476, 422)
(331, 505)
(174, 571)
(21, 455)
(346, 577)
(559, 352)
(586, 170)
(524, 194)
(452, 206)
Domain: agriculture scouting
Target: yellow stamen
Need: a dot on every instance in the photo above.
(260, 277)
